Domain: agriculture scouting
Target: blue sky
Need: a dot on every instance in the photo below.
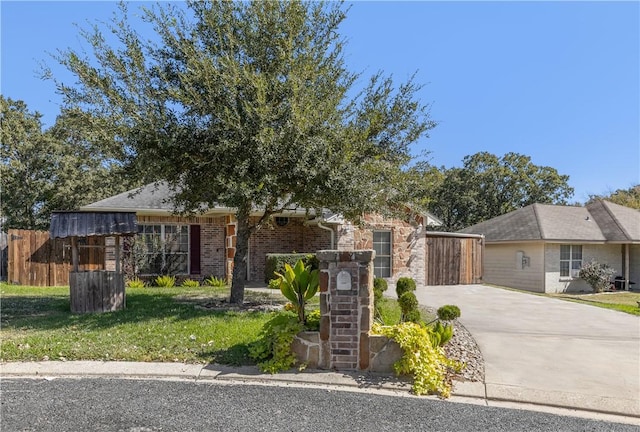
(558, 81)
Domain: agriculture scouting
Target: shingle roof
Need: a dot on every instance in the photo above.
(600, 221)
(149, 197)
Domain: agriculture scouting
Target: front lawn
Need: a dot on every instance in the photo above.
(159, 324)
(623, 301)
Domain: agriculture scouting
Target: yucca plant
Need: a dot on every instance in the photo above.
(190, 283)
(135, 283)
(213, 281)
(298, 284)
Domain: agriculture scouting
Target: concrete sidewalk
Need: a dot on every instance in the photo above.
(548, 351)
(464, 392)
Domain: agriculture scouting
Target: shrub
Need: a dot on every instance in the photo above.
(190, 283)
(427, 364)
(274, 284)
(379, 287)
(313, 320)
(405, 284)
(136, 283)
(165, 281)
(298, 284)
(412, 316)
(448, 312)
(275, 263)
(597, 275)
(213, 281)
(272, 351)
(380, 284)
(409, 307)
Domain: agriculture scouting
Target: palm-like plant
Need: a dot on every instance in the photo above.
(298, 284)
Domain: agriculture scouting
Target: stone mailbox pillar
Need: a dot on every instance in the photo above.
(346, 308)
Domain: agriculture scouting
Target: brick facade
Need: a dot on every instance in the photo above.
(292, 237)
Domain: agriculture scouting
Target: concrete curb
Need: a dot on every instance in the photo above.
(568, 404)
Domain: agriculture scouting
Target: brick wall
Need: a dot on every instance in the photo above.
(293, 237)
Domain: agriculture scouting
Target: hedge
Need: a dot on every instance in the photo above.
(276, 262)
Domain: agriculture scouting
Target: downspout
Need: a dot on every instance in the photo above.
(326, 228)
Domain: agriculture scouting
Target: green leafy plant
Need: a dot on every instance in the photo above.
(597, 275)
(409, 307)
(313, 320)
(190, 283)
(298, 284)
(379, 287)
(426, 363)
(165, 281)
(213, 281)
(440, 334)
(136, 283)
(405, 284)
(274, 284)
(448, 312)
(275, 263)
(272, 351)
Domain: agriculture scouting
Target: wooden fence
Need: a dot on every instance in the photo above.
(453, 260)
(35, 259)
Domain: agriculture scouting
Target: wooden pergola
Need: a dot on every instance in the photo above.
(97, 290)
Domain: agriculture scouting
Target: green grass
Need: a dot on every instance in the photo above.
(621, 301)
(390, 312)
(158, 324)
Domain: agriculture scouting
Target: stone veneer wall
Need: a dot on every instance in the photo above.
(408, 244)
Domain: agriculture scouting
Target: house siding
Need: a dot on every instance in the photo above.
(603, 253)
(500, 266)
(293, 237)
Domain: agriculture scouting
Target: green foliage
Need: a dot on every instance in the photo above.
(440, 334)
(165, 281)
(379, 287)
(488, 186)
(380, 284)
(275, 263)
(596, 275)
(213, 281)
(313, 320)
(272, 351)
(427, 364)
(274, 284)
(55, 169)
(136, 283)
(448, 312)
(625, 197)
(408, 302)
(298, 284)
(405, 284)
(262, 89)
(413, 316)
(190, 283)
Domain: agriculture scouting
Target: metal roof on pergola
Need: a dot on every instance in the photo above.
(91, 224)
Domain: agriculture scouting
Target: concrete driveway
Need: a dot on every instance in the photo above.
(549, 351)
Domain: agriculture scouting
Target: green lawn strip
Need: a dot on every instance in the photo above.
(159, 324)
(621, 301)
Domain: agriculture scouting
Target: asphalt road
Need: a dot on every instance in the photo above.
(142, 405)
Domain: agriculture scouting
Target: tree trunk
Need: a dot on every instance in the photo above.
(240, 258)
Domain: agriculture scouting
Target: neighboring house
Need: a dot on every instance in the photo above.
(541, 247)
(204, 245)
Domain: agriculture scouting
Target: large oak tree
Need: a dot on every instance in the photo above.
(248, 105)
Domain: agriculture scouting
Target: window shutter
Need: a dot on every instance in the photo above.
(194, 250)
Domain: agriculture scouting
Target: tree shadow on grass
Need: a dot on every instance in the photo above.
(53, 312)
(236, 355)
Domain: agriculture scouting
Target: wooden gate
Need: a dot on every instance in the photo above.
(35, 259)
(454, 259)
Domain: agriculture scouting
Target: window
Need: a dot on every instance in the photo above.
(382, 261)
(164, 249)
(570, 260)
